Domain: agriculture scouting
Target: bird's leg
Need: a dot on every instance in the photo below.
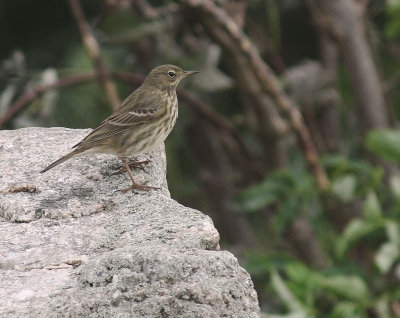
(135, 164)
(134, 184)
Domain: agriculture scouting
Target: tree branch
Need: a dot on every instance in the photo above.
(208, 11)
(94, 52)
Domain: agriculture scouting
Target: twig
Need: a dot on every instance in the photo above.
(268, 81)
(264, 120)
(321, 20)
(94, 52)
(275, 58)
(151, 13)
(146, 9)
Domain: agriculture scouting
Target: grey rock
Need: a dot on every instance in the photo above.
(72, 245)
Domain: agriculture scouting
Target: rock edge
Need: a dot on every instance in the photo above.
(72, 245)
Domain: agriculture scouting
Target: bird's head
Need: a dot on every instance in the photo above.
(167, 76)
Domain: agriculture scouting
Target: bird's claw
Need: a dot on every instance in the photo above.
(136, 186)
(135, 164)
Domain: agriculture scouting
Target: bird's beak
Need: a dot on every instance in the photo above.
(187, 73)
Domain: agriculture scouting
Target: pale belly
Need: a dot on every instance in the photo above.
(152, 138)
(151, 144)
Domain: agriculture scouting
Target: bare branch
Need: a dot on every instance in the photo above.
(94, 52)
(357, 56)
(208, 11)
(151, 13)
(321, 20)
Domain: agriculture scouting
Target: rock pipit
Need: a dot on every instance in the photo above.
(140, 124)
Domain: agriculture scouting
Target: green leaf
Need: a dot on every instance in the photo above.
(366, 176)
(255, 199)
(393, 232)
(346, 309)
(259, 196)
(387, 254)
(354, 231)
(287, 297)
(260, 263)
(344, 187)
(372, 209)
(394, 184)
(350, 287)
(382, 307)
(392, 5)
(392, 27)
(298, 272)
(385, 143)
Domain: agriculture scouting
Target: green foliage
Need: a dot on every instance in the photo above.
(337, 285)
(355, 230)
(385, 143)
(290, 191)
(351, 178)
(280, 185)
(294, 304)
(344, 187)
(392, 27)
(389, 252)
(340, 290)
(302, 289)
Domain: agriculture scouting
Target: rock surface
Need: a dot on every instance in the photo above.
(72, 245)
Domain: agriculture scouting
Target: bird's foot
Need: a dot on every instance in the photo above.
(135, 164)
(136, 186)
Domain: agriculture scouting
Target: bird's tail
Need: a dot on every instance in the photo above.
(62, 159)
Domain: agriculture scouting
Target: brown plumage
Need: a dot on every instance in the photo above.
(140, 124)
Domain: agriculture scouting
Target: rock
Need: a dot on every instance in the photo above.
(72, 245)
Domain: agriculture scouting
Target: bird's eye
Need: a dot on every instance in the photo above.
(171, 74)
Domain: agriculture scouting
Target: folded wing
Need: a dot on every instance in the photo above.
(138, 108)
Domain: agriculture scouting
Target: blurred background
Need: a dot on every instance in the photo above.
(287, 138)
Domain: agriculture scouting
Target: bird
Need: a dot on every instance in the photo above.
(139, 124)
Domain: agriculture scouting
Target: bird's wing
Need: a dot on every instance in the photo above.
(132, 117)
(136, 109)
